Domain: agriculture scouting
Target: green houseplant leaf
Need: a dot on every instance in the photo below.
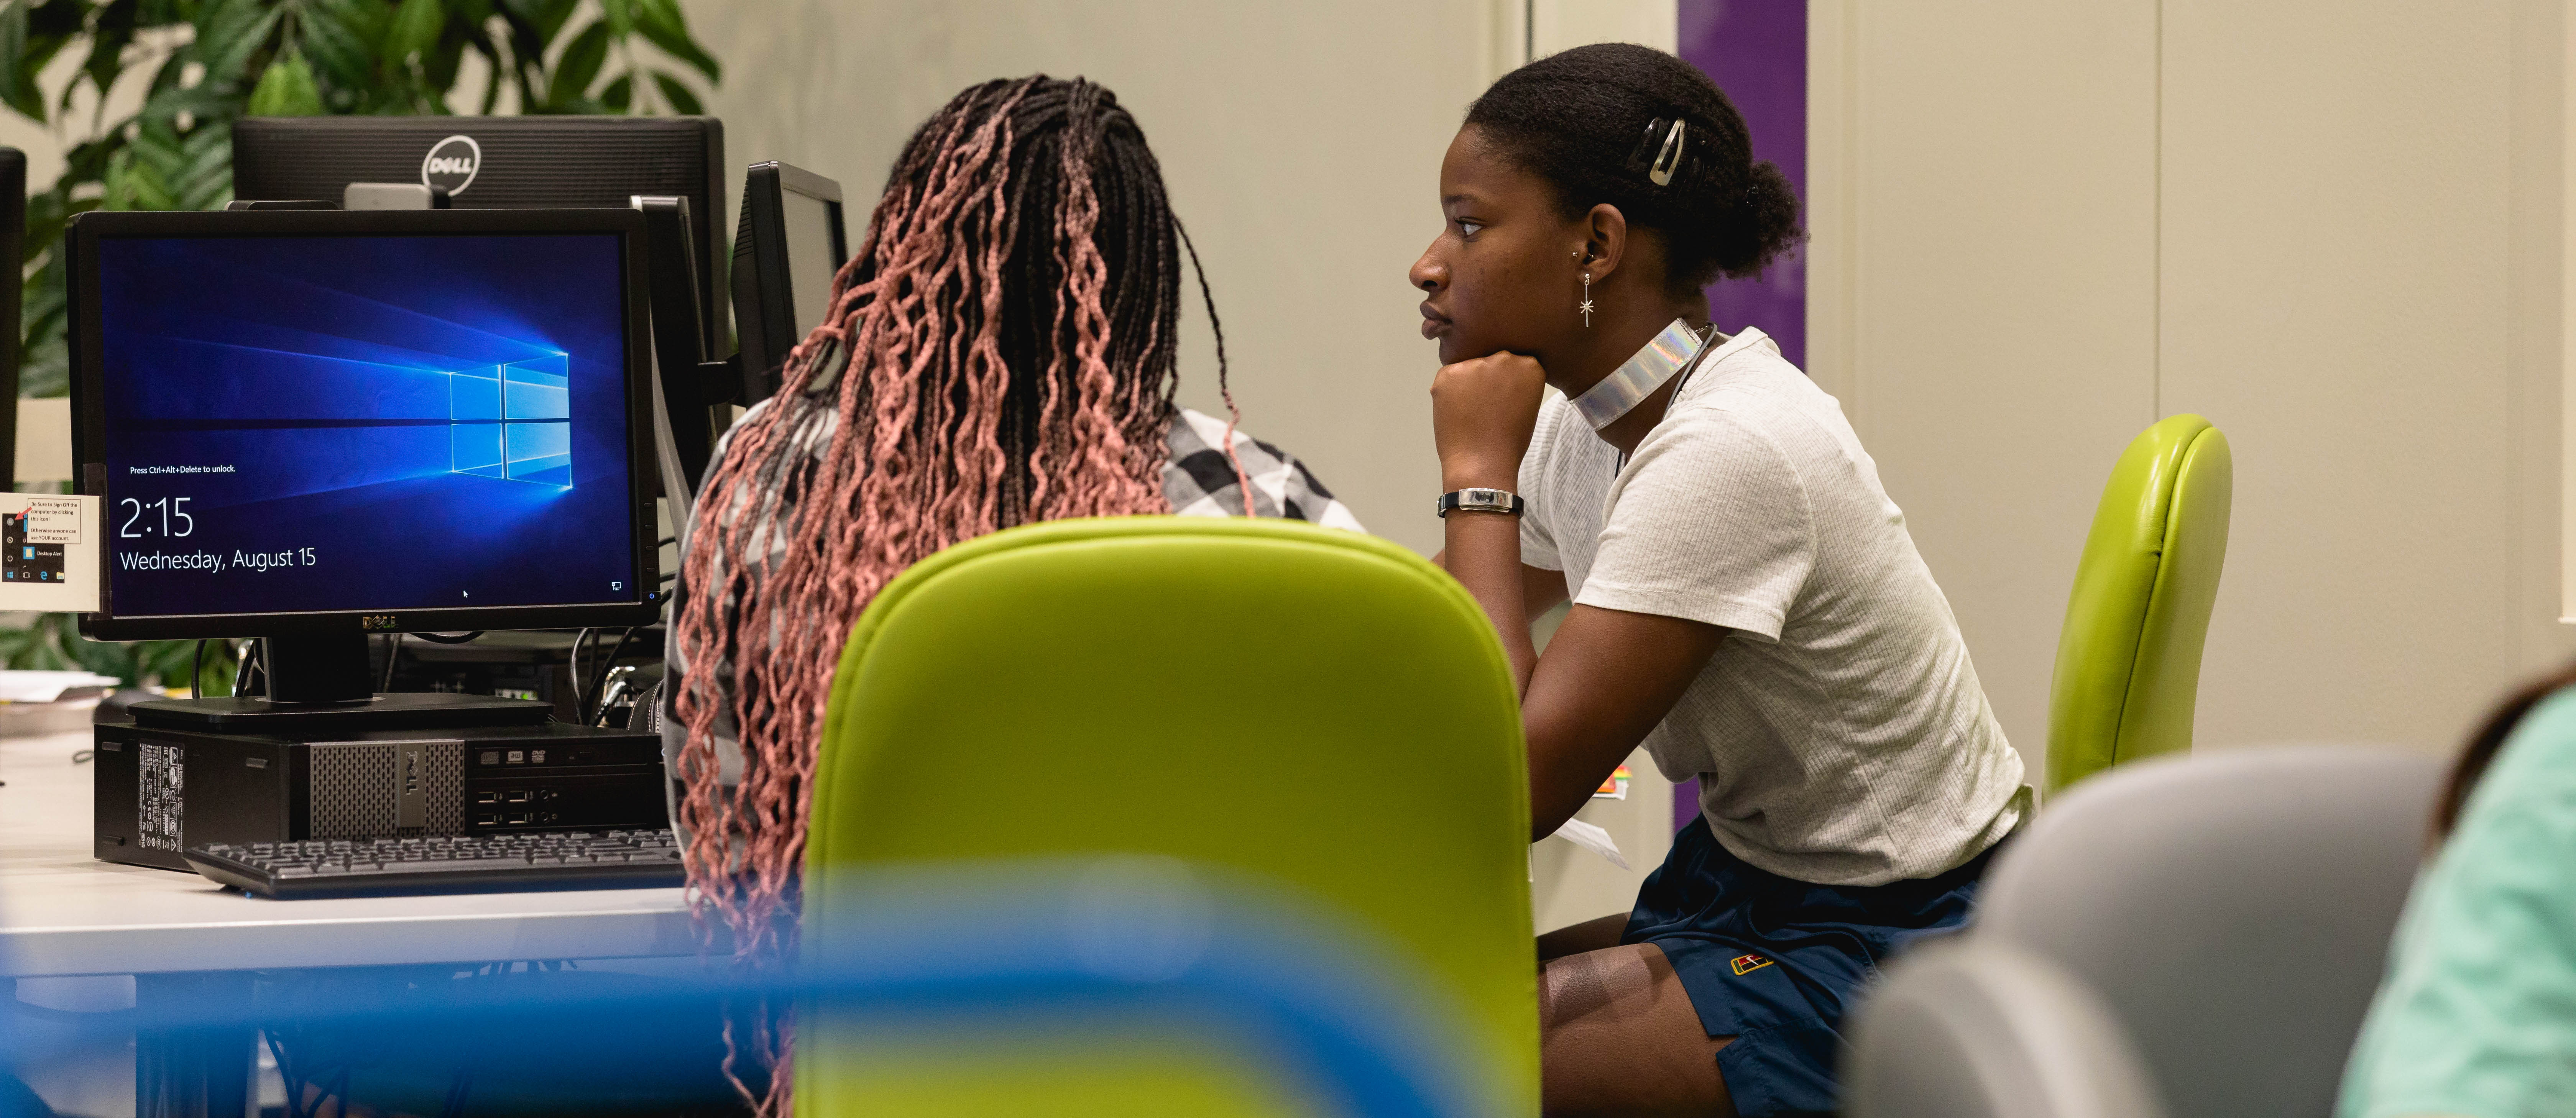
(682, 101)
(262, 58)
(578, 67)
(661, 22)
(286, 89)
(417, 25)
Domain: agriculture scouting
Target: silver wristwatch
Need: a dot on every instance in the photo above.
(1482, 500)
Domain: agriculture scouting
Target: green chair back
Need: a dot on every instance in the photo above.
(2128, 660)
(1303, 706)
(1118, 986)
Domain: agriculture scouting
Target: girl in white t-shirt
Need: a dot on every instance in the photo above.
(1747, 603)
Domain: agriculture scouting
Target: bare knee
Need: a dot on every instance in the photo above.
(1618, 1036)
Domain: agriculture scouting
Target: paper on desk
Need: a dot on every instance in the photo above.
(1593, 839)
(46, 687)
(49, 553)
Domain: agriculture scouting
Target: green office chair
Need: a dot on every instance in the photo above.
(2128, 660)
(1311, 708)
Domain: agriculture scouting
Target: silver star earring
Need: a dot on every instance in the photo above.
(1586, 308)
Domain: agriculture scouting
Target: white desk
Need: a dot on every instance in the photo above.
(63, 912)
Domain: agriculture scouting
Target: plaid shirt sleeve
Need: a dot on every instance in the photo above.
(1197, 478)
(1200, 482)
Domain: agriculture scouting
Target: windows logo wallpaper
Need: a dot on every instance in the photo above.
(513, 421)
(344, 423)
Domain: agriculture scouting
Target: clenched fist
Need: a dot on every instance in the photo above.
(1482, 413)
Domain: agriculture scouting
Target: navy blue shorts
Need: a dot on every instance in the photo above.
(1775, 963)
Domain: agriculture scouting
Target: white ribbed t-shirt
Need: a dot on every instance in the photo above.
(1839, 733)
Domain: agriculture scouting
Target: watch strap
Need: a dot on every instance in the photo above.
(1482, 500)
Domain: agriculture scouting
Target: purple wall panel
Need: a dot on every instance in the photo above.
(1756, 50)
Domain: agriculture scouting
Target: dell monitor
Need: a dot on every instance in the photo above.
(313, 426)
(789, 246)
(535, 162)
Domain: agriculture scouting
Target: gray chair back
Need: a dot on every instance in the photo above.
(2232, 910)
(1973, 1029)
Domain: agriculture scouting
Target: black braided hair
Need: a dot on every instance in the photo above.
(1591, 122)
(1139, 237)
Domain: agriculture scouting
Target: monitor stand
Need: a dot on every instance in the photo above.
(323, 683)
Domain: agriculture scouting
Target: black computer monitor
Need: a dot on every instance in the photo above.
(498, 163)
(536, 162)
(314, 426)
(790, 243)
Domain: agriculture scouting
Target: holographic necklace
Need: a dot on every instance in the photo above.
(1619, 393)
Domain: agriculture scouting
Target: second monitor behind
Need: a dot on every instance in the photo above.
(789, 245)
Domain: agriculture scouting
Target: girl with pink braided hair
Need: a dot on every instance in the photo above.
(1000, 351)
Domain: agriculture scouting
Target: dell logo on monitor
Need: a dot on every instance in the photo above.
(451, 164)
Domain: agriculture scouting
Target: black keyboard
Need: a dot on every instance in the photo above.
(444, 864)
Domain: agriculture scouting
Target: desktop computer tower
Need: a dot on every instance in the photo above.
(160, 790)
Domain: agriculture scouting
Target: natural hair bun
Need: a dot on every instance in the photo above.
(1592, 121)
(1766, 226)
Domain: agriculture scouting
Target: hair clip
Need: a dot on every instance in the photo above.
(1661, 174)
(1640, 158)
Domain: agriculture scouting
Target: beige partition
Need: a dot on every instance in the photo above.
(2341, 295)
(44, 450)
(2332, 227)
(1302, 144)
(1982, 289)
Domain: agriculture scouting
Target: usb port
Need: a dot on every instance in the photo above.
(521, 817)
(487, 797)
(521, 797)
(486, 819)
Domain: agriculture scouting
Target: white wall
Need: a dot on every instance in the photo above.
(1981, 289)
(2329, 226)
(2339, 267)
(1301, 144)
(2332, 226)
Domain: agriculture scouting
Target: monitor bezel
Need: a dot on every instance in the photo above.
(764, 291)
(89, 422)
